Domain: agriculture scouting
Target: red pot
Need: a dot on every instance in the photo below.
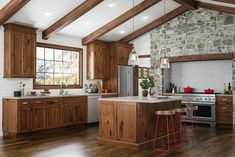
(209, 91)
(188, 90)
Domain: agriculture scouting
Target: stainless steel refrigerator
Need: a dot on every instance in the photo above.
(127, 80)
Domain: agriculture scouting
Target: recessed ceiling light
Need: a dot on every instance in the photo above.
(47, 13)
(145, 17)
(87, 23)
(122, 32)
(111, 5)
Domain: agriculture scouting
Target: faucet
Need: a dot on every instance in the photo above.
(62, 87)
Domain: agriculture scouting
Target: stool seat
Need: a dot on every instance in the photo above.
(165, 112)
(181, 110)
(192, 108)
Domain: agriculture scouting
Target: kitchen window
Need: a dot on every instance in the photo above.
(56, 64)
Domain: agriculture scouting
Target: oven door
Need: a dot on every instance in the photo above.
(205, 112)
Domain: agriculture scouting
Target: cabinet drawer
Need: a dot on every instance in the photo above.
(54, 101)
(82, 99)
(224, 108)
(224, 119)
(24, 102)
(37, 102)
(224, 99)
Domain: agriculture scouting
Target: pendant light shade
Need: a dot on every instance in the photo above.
(165, 63)
(133, 58)
(164, 60)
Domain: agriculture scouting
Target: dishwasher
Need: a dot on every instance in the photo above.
(93, 108)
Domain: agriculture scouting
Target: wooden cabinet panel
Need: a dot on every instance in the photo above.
(80, 113)
(107, 123)
(143, 122)
(19, 51)
(53, 115)
(126, 121)
(38, 115)
(224, 111)
(24, 116)
(98, 60)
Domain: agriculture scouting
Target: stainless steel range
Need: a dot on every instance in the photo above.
(206, 113)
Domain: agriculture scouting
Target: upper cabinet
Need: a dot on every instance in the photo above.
(19, 51)
(98, 60)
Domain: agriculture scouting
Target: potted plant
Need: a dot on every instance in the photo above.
(151, 85)
(144, 85)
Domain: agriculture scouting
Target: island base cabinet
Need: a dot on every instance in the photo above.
(128, 123)
(107, 125)
(30, 115)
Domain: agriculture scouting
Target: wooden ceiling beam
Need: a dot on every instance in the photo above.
(119, 20)
(227, 1)
(10, 9)
(216, 7)
(187, 3)
(158, 22)
(70, 17)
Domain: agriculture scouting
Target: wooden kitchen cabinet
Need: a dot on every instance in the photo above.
(54, 113)
(29, 115)
(224, 111)
(126, 120)
(19, 51)
(38, 108)
(98, 60)
(24, 118)
(107, 122)
(119, 54)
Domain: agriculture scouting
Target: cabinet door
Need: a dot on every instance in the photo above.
(29, 55)
(123, 55)
(80, 113)
(24, 117)
(53, 115)
(17, 54)
(107, 124)
(38, 115)
(68, 114)
(126, 122)
(101, 66)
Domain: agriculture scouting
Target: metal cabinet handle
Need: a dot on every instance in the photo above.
(24, 103)
(224, 99)
(38, 102)
(224, 108)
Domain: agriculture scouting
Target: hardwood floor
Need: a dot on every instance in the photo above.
(81, 142)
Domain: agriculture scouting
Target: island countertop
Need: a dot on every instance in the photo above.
(139, 99)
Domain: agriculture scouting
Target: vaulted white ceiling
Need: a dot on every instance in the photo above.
(43, 13)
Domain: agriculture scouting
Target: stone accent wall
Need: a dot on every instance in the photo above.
(195, 32)
(199, 31)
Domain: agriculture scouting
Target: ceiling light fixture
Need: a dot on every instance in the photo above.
(145, 17)
(164, 60)
(133, 56)
(87, 23)
(122, 32)
(47, 13)
(111, 5)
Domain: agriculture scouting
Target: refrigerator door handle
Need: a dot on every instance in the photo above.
(128, 83)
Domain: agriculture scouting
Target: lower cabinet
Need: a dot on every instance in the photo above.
(23, 116)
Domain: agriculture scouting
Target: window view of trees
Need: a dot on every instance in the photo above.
(54, 66)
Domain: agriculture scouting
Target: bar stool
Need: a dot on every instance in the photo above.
(191, 112)
(180, 112)
(164, 116)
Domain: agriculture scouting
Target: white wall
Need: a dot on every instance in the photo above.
(8, 86)
(202, 75)
(142, 47)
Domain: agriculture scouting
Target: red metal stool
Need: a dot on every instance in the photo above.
(191, 112)
(165, 132)
(183, 132)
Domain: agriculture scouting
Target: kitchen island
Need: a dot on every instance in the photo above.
(130, 121)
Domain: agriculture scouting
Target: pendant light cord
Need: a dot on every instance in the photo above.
(165, 29)
(133, 23)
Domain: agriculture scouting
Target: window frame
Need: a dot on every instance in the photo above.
(60, 47)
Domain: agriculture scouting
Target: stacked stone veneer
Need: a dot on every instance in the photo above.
(195, 32)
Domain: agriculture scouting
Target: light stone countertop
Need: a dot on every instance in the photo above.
(138, 99)
(59, 96)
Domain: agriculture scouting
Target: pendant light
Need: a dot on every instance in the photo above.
(133, 56)
(164, 60)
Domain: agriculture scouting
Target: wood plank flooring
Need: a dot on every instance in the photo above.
(81, 142)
